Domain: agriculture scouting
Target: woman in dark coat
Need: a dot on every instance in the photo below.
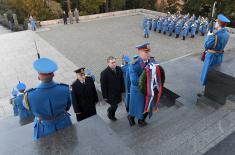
(84, 95)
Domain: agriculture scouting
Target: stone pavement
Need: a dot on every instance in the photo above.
(89, 43)
(4, 30)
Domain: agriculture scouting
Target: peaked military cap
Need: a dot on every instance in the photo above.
(45, 66)
(144, 47)
(21, 86)
(80, 70)
(223, 18)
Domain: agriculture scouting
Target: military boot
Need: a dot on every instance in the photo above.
(131, 120)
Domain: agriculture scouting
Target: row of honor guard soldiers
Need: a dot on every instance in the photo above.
(176, 23)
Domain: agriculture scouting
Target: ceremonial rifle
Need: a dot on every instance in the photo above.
(38, 54)
(212, 18)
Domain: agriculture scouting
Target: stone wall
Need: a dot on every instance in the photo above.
(105, 15)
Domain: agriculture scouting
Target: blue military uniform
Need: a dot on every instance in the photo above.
(12, 101)
(159, 24)
(146, 30)
(165, 26)
(136, 104)
(155, 24)
(204, 26)
(193, 29)
(198, 21)
(49, 102)
(214, 47)
(178, 28)
(185, 30)
(145, 21)
(125, 67)
(171, 27)
(150, 23)
(125, 71)
(22, 111)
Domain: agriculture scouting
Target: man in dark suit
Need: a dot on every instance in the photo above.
(112, 86)
(84, 95)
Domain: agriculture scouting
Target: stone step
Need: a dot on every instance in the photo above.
(91, 136)
(200, 134)
(121, 126)
(163, 126)
(12, 122)
(166, 130)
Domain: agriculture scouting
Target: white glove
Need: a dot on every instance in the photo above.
(209, 33)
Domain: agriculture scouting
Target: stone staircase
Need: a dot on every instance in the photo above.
(172, 130)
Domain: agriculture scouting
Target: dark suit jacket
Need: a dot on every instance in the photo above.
(84, 98)
(112, 85)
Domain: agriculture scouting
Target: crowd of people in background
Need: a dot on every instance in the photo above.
(71, 16)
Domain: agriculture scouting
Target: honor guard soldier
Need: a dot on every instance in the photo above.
(49, 101)
(125, 71)
(193, 29)
(12, 101)
(178, 28)
(125, 64)
(214, 46)
(146, 30)
(22, 111)
(184, 31)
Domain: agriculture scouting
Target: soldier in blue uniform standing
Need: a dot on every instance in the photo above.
(165, 26)
(49, 101)
(185, 30)
(145, 20)
(150, 23)
(155, 24)
(12, 101)
(214, 46)
(137, 99)
(146, 30)
(198, 21)
(159, 24)
(204, 26)
(193, 29)
(171, 27)
(22, 111)
(125, 66)
(178, 28)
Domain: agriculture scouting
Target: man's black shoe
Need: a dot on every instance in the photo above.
(112, 118)
(131, 120)
(142, 123)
